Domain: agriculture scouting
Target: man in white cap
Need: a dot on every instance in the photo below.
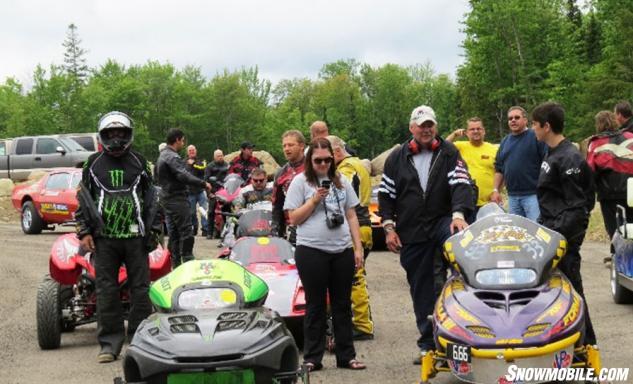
(425, 193)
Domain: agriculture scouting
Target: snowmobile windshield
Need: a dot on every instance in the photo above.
(253, 250)
(208, 284)
(207, 298)
(232, 183)
(504, 251)
(255, 223)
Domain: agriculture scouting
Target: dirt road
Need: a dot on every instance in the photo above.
(24, 260)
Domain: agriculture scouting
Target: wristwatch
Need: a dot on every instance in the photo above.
(389, 228)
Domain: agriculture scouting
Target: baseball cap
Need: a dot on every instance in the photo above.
(247, 144)
(423, 113)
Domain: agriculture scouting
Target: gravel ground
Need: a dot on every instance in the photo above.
(25, 261)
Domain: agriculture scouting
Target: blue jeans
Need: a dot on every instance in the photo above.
(525, 205)
(198, 199)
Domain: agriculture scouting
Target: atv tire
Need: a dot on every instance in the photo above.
(49, 314)
(31, 221)
(620, 294)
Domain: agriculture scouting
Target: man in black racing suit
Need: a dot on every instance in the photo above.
(173, 179)
(116, 222)
(566, 194)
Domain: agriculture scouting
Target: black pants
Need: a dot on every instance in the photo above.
(212, 225)
(321, 273)
(570, 266)
(110, 255)
(609, 209)
(426, 274)
(181, 238)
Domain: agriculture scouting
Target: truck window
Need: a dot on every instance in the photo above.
(46, 146)
(24, 147)
(58, 181)
(3, 148)
(85, 141)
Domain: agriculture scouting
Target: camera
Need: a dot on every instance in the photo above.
(334, 220)
(326, 184)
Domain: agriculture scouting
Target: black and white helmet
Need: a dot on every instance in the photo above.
(120, 121)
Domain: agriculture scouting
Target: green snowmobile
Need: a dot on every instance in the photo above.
(211, 328)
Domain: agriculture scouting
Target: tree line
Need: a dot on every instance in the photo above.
(517, 52)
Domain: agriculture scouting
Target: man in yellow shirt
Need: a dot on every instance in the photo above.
(479, 155)
(351, 168)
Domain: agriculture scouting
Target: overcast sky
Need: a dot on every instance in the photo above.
(285, 38)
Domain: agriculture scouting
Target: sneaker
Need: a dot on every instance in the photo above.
(359, 335)
(106, 357)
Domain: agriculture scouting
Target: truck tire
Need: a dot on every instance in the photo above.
(32, 223)
(49, 314)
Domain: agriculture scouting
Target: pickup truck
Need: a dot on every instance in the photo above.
(23, 155)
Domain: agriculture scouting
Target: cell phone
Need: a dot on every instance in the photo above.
(326, 184)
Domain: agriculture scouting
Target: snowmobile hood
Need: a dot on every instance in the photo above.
(208, 284)
(209, 335)
(500, 318)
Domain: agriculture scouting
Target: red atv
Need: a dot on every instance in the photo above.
(67, 297)
(224, 196)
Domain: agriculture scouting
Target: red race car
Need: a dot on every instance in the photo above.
(51, 200)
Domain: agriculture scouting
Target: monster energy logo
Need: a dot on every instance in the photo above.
(116, 177)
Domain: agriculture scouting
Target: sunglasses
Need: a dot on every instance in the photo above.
(258, 180)
(510, 118)
(324, 160)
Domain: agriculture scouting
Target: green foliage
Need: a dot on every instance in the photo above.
(529, 51)
(515, 52)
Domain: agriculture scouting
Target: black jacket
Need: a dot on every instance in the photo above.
(196, 169)
(401, 198)
(566, 191)
(120, 192)
(217, 170)
(173, 177)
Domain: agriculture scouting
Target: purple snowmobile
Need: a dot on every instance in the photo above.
(506, 303)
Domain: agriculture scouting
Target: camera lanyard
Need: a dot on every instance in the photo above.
(338, 202)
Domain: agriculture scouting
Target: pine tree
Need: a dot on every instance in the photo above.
(593, 39)
(573, 13)
(74, 57)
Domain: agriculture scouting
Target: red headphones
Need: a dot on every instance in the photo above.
(416, 147)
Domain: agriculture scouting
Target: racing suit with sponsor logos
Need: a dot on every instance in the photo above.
(282, 180)
(422, 218)
(566, 196)
(120, 200)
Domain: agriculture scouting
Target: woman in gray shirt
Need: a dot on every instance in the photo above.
(321, 205)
